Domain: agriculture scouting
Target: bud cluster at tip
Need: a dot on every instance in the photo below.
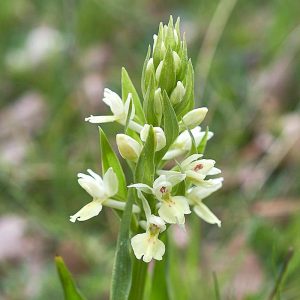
(167, 69)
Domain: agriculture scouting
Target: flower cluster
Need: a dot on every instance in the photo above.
(166, 114)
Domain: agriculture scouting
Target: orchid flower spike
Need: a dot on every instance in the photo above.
(183, 143)
(147, 245)
(195, 196)
(101, 191)
(119, 110)
(172, 208)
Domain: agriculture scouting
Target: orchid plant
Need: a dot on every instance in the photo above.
(163, 144)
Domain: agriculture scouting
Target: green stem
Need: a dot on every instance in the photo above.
(282, 272)
(138, 280)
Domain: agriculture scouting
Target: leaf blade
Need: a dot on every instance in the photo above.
(128, 87)
(110, 159)
(122, 269)
(71, 292)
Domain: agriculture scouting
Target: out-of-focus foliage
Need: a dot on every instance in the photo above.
(56, 58)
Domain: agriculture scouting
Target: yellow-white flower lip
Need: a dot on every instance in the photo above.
(128, 147)
(147, 245)
(172, 208)
(159, 136)
(183, 142)
(119, 109)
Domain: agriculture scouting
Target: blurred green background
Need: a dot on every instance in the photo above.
(56, 58)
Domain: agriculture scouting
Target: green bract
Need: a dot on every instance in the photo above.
(168, 68)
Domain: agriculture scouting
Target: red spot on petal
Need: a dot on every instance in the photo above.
(163, 189)
(198, 167)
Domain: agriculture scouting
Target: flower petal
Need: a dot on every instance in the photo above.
(110, 181)
(142, 187)
(200, 192)
(148, 247)
(90, 210)
(214, 171)
(172, 153)
(92, 187)
(96, 176)
(206, 214)
(101, 119)
(190, 159)
(176, 178)
(114, 101)
(195, 177)
(173, 211)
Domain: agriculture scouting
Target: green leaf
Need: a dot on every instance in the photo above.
(145, 79)
(128, 117)
(128, 87)
(145, 168)
(122, 269)
(71, 292)
(171, 128)
(110, 159)
(167, 78)
(160, 278)
(139, 277)
(202, 145)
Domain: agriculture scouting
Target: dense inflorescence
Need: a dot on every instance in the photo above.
(162, 130)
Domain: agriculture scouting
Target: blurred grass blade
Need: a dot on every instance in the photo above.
(282, 272)
(216, 286)
(71, 292)
(122, 269)
(160, 278)
(128, 87)
(110, 159)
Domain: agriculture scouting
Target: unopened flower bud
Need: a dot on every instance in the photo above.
(176, 37)
(128, 147)
(178, 93)
(150, 65)
(177, 62)
(193, 118)
(158, 71)
(158, 104)
(159, 135)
